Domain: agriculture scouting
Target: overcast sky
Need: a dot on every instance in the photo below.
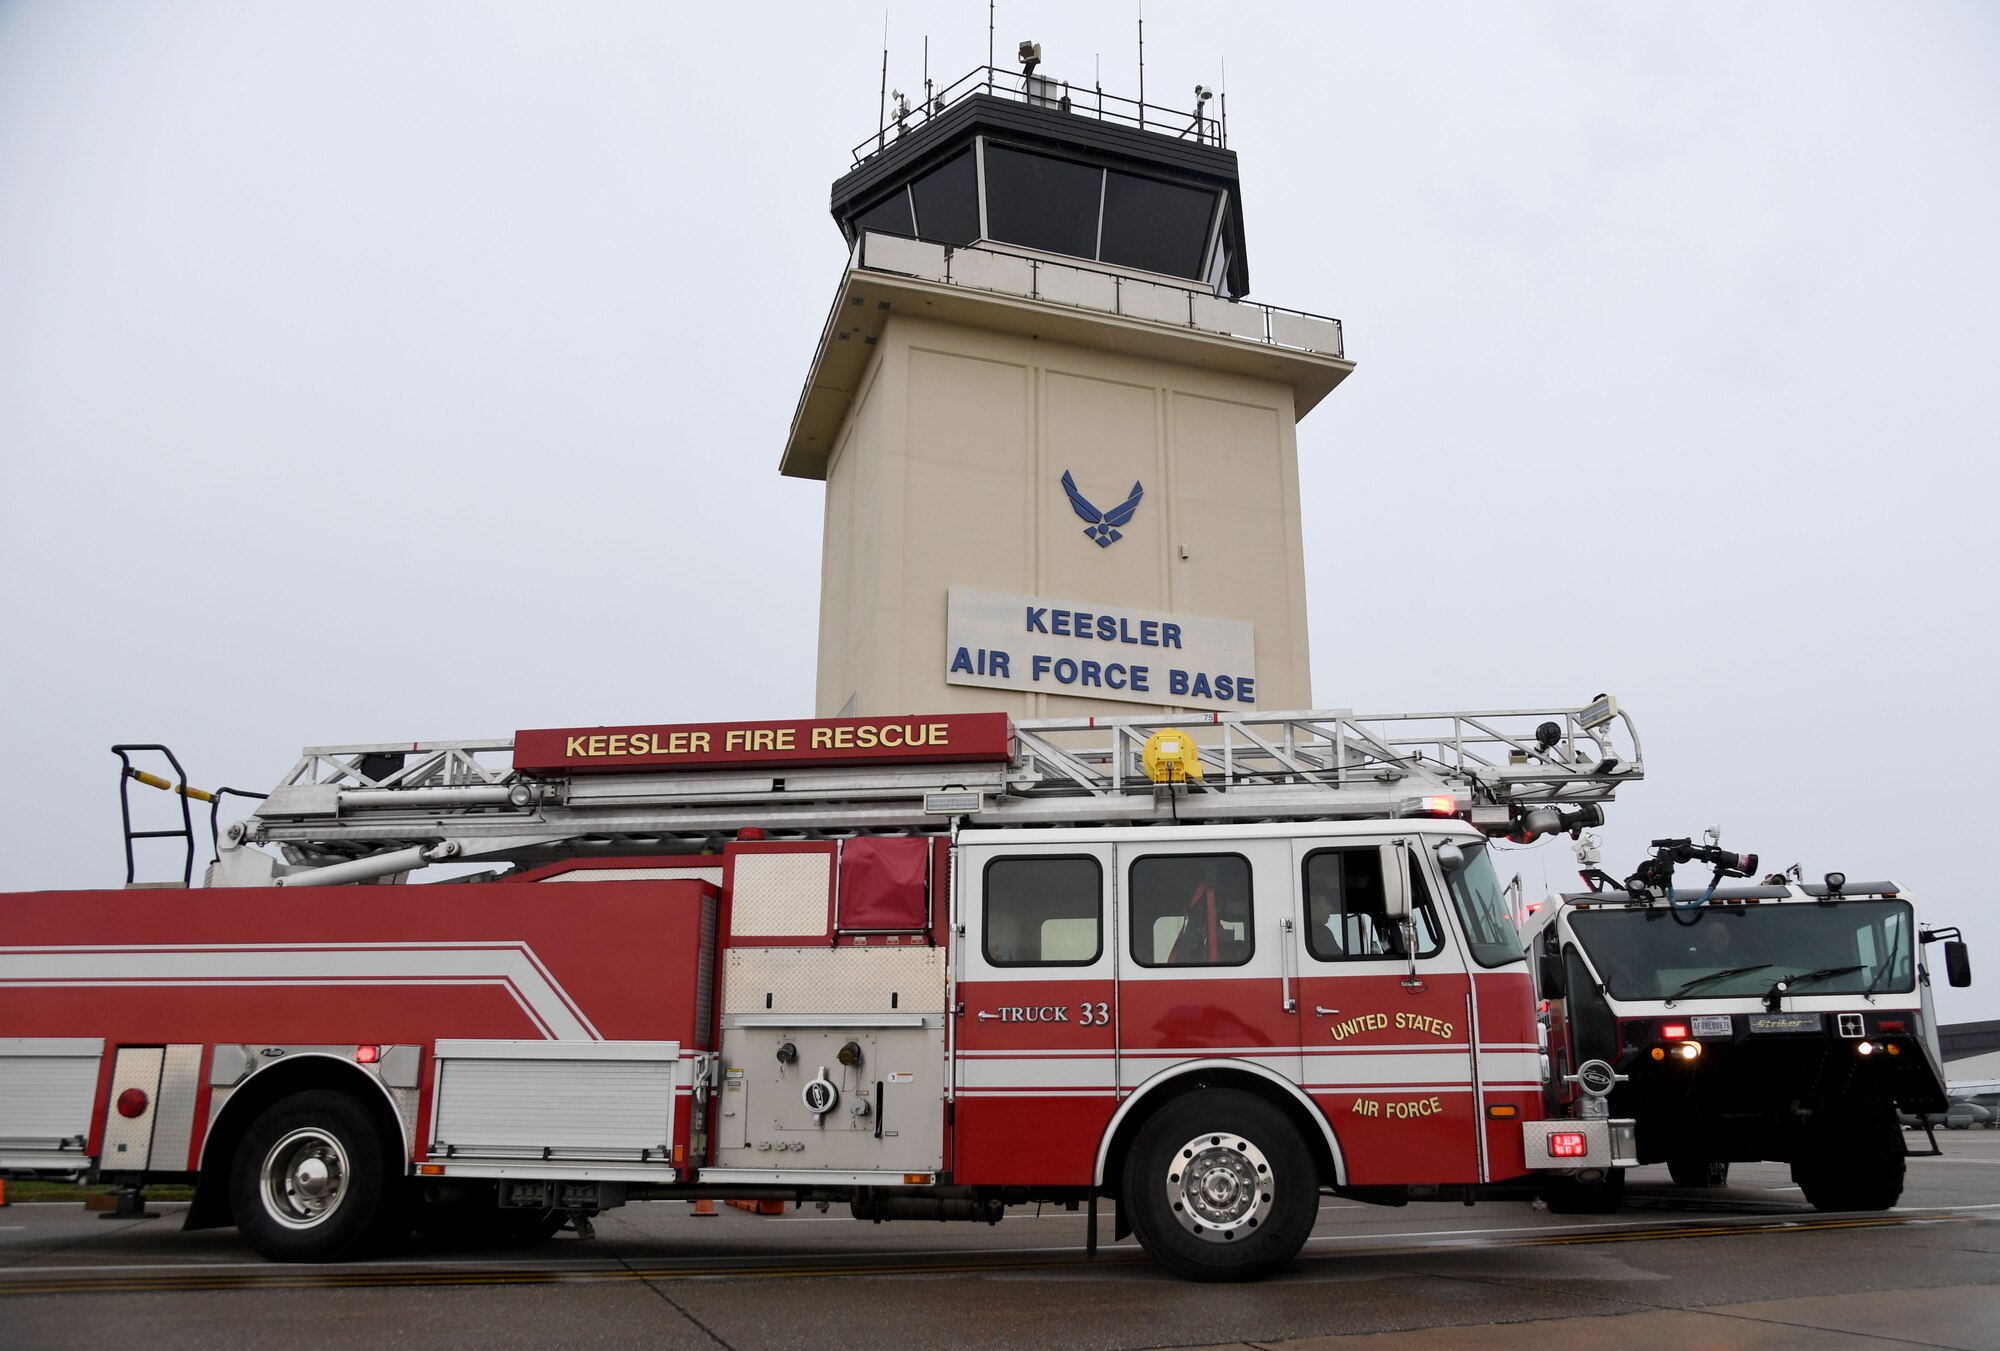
(417, 371)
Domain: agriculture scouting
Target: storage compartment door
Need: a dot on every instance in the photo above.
(602, 1102)
(47, 1085)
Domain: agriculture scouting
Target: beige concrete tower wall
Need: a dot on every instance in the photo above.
(948, 471)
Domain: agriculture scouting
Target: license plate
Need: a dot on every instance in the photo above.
(1784, 1022)
(1711, 1024)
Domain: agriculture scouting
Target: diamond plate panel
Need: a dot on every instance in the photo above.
(406, 1112)
(833, 980)
(781, 895)
(173, 1128)
(710, 872)
(128, 1140)
(704, 981)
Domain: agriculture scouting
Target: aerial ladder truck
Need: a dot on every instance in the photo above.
(1209, 968)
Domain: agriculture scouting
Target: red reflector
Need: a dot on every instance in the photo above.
(132, 1102)
(1441, 805)
(1675, 1031)
(1892, 1024)
(368, 1055)
(1567, 1145)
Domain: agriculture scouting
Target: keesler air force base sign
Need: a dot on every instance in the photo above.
(1034, 643)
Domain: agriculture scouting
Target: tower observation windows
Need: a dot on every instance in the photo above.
(947, 202)
(1106, 215)
(1117, 213)
(1043, 203)
(890, 216)
(1155, 226)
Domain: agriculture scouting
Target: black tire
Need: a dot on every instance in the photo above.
(1567, 1196)
(1851, 1160)
(1261, 1196)
(1697, 1173)
(314, 1180)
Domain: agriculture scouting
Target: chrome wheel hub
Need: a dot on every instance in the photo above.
(1220, 1187)
(304, 1178)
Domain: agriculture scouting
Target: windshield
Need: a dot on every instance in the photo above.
(1489, 930)
(1853, 947)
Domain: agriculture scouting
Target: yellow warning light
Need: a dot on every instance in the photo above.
(1893, 1049)
(1659, 1053)
(1170, 756)
(917, 1179)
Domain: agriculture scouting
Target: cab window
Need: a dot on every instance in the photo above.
(1191, 910)
(1347, 916)
(1043, 911)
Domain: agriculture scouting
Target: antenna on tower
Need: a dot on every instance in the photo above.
(1223, 98)
(989, 40)
(882, 99)
(1142, 65)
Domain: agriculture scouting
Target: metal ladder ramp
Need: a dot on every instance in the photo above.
(464, 799)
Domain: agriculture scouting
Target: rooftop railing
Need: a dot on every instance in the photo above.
(1042, 91)
(1101, 290)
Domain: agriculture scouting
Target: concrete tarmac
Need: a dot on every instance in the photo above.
(1748, 1266)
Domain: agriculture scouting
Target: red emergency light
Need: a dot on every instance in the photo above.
(1675, 1031)
(1567, 1145)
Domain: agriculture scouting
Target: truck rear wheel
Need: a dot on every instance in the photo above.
(1220, 1187)
(311, 1181)
(1852, 1160)
(1697, 1173)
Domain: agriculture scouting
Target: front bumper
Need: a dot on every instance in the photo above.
(1607, 1143)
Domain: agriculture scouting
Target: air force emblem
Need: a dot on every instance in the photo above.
(1102, 525)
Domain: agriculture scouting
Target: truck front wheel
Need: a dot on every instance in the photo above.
(1220, 1187)
(311, 1180)
(1851, 1160)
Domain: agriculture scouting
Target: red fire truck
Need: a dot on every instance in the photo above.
(929, 967)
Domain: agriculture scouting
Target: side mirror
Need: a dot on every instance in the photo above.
(1395, 882)
(1549, 967)
(1958, 962)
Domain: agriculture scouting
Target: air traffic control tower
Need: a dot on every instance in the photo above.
(1058, 441)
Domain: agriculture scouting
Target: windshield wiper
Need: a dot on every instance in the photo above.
(1823, 973)
(1782, 986)
(1700, 981)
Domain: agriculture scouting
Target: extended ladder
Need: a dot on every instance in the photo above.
(424, 801)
